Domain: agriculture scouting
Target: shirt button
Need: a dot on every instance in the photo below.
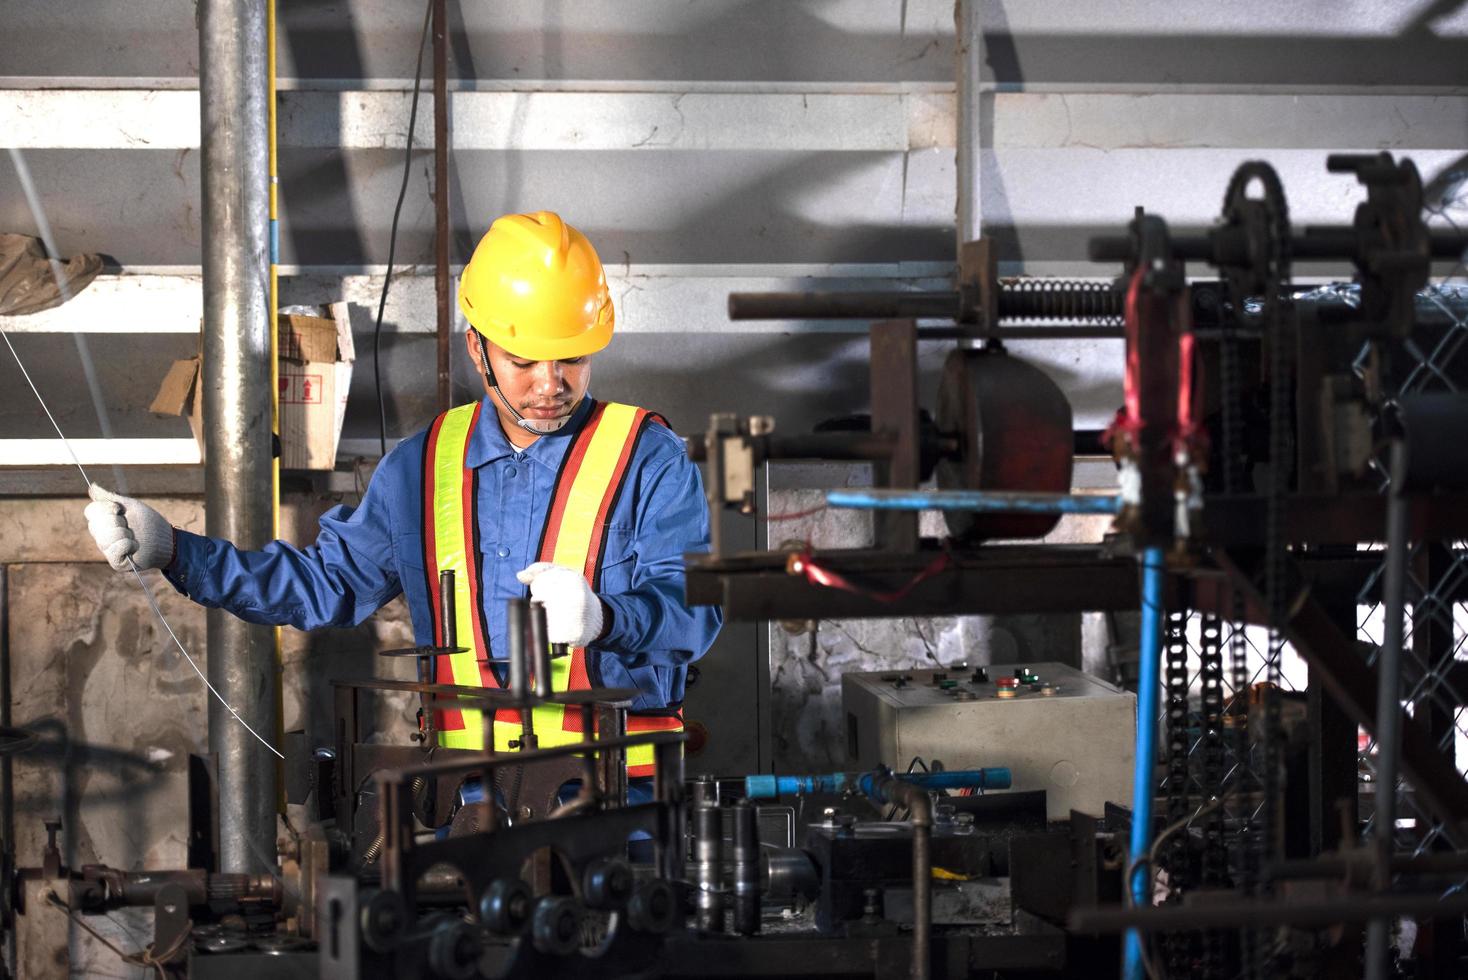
(503, 552)
(510, 471)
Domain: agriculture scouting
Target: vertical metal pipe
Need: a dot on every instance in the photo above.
(540, 650)
(515, 632)
(1146, 755)
(970, 68)
(708, 861)
(1388, 704)
(922, 887)
(441, 197)
(448, 609)
(519, 614)
(233, 111)
(746, 868)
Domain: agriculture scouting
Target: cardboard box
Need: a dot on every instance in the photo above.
(315, 371)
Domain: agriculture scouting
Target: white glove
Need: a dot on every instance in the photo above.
(122, 526)
(572, 611)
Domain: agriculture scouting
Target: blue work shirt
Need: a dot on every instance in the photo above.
(365, 556)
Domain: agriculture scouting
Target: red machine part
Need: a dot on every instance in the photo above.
(1014, 430)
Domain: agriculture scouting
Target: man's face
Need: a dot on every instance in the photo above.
(539, 390)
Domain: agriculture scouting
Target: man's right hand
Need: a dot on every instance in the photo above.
(124, 527)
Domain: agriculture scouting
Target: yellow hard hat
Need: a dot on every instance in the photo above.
(535, 287)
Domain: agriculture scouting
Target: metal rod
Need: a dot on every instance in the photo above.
(708, 859)
(515, 611)
(540, 653)
(242, 665)
(865, 305)
(1314, 243)
(989, 502)
(746, 868)
(441, 201)
(1388, 704)
(1147, 696)
(448, 608)
(519, 632)
(920, 809)
(969, 35)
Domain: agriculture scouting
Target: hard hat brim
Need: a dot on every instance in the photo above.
(531, 348)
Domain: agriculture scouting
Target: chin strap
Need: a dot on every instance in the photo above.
(540, 427)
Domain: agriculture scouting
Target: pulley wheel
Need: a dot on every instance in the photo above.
(1014, 431)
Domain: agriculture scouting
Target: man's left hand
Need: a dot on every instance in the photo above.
(573, 613)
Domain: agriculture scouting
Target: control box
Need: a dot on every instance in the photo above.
(1055, 728)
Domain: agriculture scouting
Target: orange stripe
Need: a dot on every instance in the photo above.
(566, 480)
(593, 554)
(654, 723)
(445, 719)
(580, 679)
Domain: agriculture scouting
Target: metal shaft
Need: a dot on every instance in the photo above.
(540, 650)
(970, 38)
(236, 382)
(515, 630)
(708, 856)
(448, 608)
(520, 619)
(746, 869)
(441, 201)
(1388, 705)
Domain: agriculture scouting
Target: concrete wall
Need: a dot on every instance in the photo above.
(118, 709)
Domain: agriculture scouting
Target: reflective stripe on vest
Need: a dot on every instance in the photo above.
(590, 479)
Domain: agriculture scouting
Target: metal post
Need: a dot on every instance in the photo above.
(448, 609)
(515, 631)
(1388, 705)
(233, 110)
(746, 868)
(970, 68)
(540, 653)
(441, 198)
(708, 863)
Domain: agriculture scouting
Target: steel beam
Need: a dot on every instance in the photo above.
(1000, 579)
(236, 381)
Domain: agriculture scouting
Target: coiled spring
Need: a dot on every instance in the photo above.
(1060, 299)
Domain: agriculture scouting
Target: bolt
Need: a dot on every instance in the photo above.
(869, 906)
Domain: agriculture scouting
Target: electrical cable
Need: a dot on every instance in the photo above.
(65, 294)
(392, 237)
(132, 564)
(803, 564)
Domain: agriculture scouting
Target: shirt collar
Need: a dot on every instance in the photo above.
(489, 442)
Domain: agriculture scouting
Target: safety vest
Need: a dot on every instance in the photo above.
(590, 479)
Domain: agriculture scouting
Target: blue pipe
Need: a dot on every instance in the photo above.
(1147, 706)
(765, 787)
(992, 502)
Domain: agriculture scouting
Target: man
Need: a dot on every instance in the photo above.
(588, 504)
